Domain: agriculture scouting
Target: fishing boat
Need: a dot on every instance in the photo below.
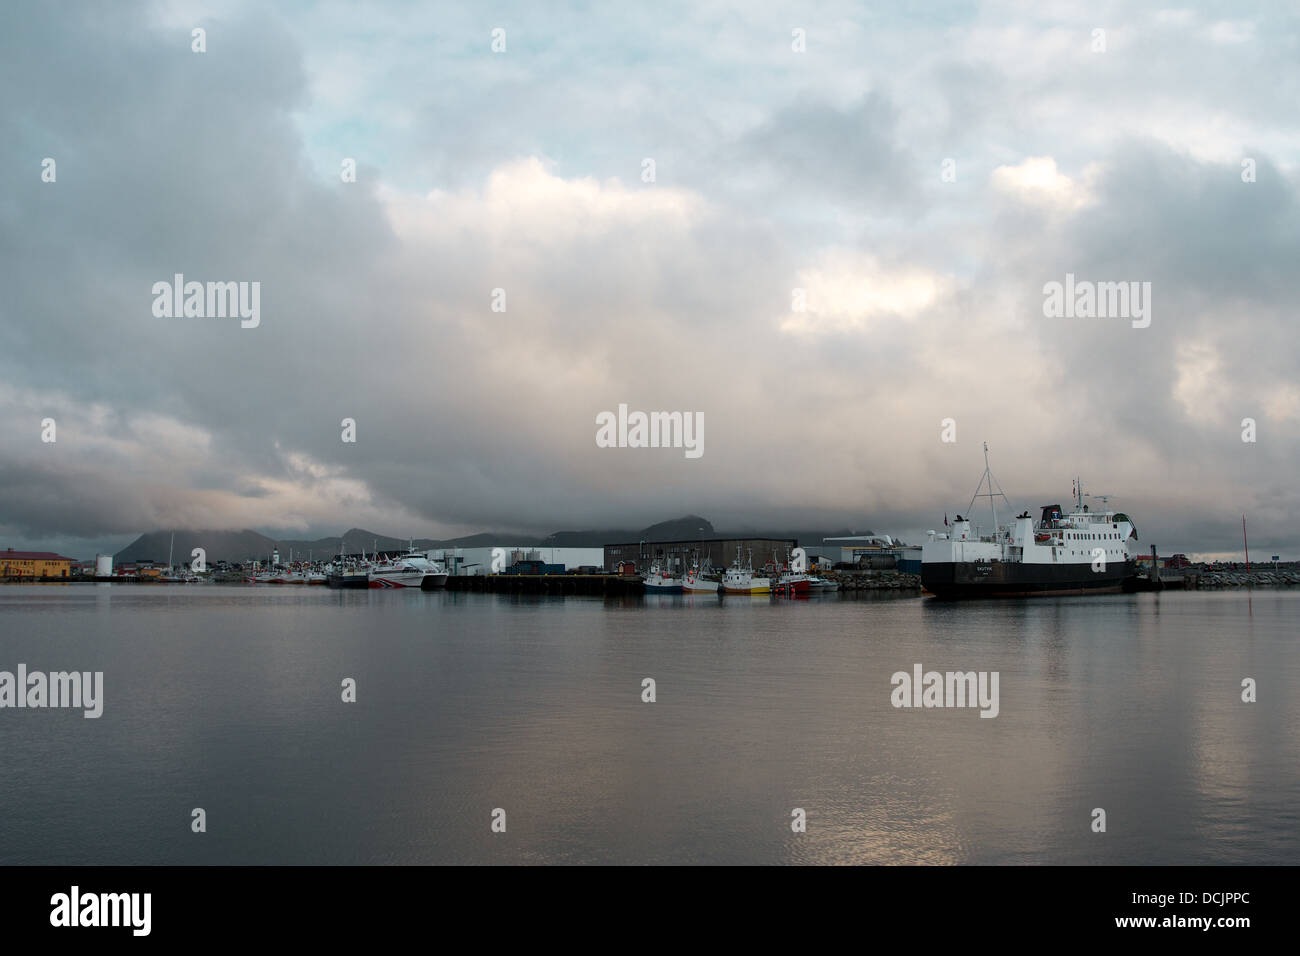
(1077, 552)
(793, 582)
(742, 579)
(694, 582)
(661, 581)
(348, 576)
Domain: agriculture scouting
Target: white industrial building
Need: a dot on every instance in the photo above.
(853, 548)
(470, 561)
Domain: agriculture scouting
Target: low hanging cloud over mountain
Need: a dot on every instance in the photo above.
(829, 253)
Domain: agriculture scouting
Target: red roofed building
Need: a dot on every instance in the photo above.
(33, 564)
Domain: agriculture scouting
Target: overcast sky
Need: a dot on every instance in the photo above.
(1125, 155)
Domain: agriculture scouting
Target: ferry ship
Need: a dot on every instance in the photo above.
(1077, 552)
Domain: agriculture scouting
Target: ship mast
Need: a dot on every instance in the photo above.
(992, 482)
(1245, 542)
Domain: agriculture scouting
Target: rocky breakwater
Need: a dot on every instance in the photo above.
(875, 580)
(1249, 579)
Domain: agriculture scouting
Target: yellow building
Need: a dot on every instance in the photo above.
(34, 564)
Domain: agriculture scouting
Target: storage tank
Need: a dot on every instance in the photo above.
(103, 565)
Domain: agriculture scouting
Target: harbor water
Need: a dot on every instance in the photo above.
(535, 713)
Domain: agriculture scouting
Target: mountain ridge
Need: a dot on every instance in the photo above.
(248, 544)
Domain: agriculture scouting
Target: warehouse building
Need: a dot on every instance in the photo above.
(678, 556)
(34, 564)
(470, 561)
(874, 551)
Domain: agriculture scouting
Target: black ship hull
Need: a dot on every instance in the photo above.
(350, 581)
(998, 579)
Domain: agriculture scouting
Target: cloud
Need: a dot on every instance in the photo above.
(850, 292)
(846, 156)
(1037, 182)
(776, 171)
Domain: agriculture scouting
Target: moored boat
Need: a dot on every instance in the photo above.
(694, 582)
(794, 582)
(411, 570)
(395, 574)
(743, 580)
(1080, 552)
(348, 578)
(660, 581)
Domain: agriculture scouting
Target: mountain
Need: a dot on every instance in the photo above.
(252, 545)
(219, 546)
(689, 528)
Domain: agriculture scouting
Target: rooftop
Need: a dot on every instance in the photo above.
(12, 555)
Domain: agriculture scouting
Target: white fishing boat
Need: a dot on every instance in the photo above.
(694, 582)
(660, 581)
(742, 579)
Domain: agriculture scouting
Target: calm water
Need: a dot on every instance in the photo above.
(229, 699)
